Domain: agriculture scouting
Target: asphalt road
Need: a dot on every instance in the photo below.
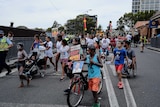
(142, 91)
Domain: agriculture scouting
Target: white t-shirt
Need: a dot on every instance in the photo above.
(105, 42)
(64, 52)
(49, 52)
(95, 39)
(58, 46)
(90, 42)
(129, 37)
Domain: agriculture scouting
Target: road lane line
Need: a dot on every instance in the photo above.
(128, 94)
(113, 70)
(3, 73)
(111, 93)
(31, 105)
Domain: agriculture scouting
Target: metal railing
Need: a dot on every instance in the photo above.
(155, 42)
(27, 41)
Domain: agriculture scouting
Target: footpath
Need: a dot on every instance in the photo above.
(153, 48)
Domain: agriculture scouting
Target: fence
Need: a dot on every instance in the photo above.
(155, 42)
(27, 41)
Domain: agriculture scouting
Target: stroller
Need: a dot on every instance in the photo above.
(34, 63)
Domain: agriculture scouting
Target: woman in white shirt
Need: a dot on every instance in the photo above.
(64, 54)
(90, 41)
(58, 46)
(48, 52)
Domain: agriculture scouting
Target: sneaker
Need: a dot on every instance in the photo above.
(28, 81)
(120, 85)
(56, 74)
(8, 73)
(66, 90)
(96, 104)
(22, 85)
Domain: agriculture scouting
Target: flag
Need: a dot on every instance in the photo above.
(85, 25)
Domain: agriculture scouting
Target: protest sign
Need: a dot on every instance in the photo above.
(74, 52)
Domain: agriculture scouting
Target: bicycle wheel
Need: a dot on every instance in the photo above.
(75, 95)
(134, 71)
(101, 83)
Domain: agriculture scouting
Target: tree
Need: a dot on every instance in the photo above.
(55, 24)
(61, 28)
(99, 28)
(75, 26)
(49, 29)
(129, 19)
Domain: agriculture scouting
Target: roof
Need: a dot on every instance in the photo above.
(156, 16)
(140, 24)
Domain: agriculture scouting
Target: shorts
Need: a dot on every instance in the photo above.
(119, 68)
(64, 61)
(20, 64)
(49, 54)
(93, 84)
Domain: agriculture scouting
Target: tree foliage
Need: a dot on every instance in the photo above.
(129, 19)
(56, 24)
(75, 26)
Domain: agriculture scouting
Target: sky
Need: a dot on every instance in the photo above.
(42, 13)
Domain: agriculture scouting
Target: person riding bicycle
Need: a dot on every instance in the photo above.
(131, 57)
(75, 41)
(94, 73)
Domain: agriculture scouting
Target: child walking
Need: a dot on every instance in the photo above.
(64, 54)
(22, 56)
(118, 58)
(94, 73)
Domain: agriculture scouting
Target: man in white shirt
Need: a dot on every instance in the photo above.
(90, 41)
(105, 42)
(128, 37)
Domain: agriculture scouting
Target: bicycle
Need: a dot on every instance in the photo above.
(77, 88)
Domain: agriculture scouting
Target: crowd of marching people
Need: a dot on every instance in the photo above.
(92, 47)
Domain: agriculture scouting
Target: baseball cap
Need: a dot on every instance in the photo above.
(1, 32)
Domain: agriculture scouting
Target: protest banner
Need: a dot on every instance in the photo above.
(74, 52)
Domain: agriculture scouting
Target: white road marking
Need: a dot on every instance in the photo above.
(3, 73)
(128, 94)
(127, 90)
(31, 105)
(113, 69)
(111, 93)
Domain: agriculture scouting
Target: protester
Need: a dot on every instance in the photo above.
(10, 35)
(143, 41)
(113, 43)
(36, 42)
(48, 52)
(90, 40)
(76, 41)
(22, 56)
(64, 54)
(131, 57)
(58, 46)
(94, 73)
(83, 44)
(5, 45)
(119, 56)
(128, 37)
